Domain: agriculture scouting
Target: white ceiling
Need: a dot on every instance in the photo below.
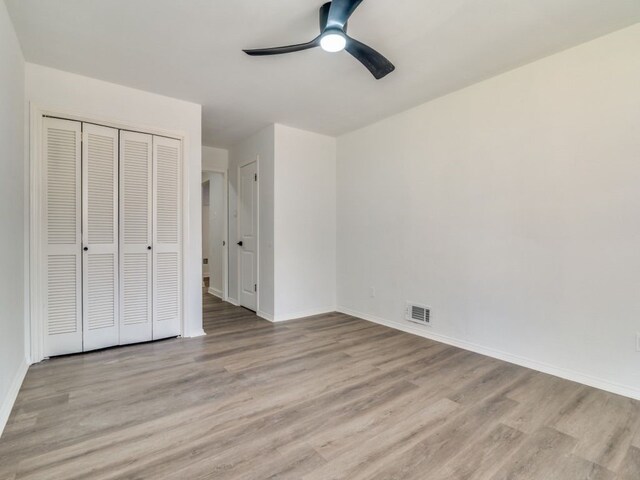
(191, 49)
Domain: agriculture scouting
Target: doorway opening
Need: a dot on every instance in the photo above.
(214, 233)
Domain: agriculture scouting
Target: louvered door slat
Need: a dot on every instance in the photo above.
(100, 292)
(100, 226)
(61, 180)
(167, 264)
(167, 274)
(135, 237)
(62, 295)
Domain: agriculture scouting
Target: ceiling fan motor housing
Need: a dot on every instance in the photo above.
(324, 16)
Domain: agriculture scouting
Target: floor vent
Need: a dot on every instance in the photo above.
(418, 314)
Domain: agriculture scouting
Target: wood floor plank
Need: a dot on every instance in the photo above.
(482, 458)
(603, 424)
(540, 397)
(327, 397)
(333, 442)
(630, 465)
(375, 452)
(543, 455)
(442, 444)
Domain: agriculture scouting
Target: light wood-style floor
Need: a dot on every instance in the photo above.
(317, 399)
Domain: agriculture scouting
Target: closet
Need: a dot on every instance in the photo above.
(112, 221)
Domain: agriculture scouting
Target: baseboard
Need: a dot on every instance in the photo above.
(215, 292)
(304, 314)
(199, 333)
(233, 301)
(266, 316)
(295, 316)
(12, 394)
(567, 374)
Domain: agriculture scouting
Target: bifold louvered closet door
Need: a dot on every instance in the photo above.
(112, 217)
(99, 236)
(167, 155)
(136, 151)
(61, 180)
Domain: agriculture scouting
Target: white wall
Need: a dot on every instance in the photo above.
(215, 158)
(13, 240)
(261, 147)
(305, 223)
(512, 208)
(297, 230)
(65, 92)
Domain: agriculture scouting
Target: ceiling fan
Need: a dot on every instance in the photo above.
(333, 38)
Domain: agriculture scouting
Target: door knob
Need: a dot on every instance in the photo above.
(86, 249)
(240, 243)
(149, 247)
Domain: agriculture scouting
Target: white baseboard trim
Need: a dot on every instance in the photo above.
(295, 316)
(215, 292)
(233, 301)
(12, 394)
(567, 374)
(200, 333)
(304, 314)
(265, 316)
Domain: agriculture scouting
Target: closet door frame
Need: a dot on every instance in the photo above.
(35, 273)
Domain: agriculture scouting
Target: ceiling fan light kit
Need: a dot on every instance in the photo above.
(333, 41)
(333, 38)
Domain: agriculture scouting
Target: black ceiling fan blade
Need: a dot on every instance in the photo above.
(324, 16)
(340, 12)
(375, 62)
(258, 52)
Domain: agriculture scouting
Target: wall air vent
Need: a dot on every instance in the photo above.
(418, 314)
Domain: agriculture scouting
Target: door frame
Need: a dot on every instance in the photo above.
(37, 242)
(225, 232)
(238, 222)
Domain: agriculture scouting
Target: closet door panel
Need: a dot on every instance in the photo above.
(167, 221)
(63, 268)
(100, 236)
(135, 237)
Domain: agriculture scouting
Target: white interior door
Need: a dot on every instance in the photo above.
(167, 235)
(248, 244)
(135, 237)
(63, 268)
(99, 236)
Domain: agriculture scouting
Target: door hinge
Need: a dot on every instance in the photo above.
(255, 177)
(255, 287)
